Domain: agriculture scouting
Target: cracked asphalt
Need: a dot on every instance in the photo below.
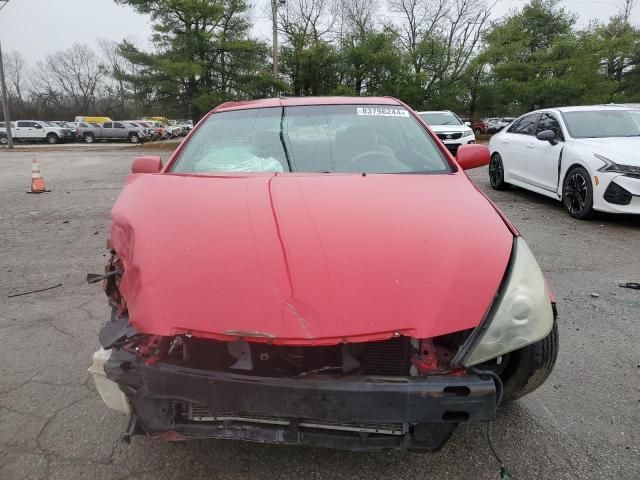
(584, 423)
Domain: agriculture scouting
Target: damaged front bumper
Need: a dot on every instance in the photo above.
(355, 412)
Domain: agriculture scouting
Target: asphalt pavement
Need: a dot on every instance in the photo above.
(584, 423)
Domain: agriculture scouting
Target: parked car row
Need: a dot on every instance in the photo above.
(52, 132)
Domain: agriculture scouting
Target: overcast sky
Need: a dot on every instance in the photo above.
(38, 27)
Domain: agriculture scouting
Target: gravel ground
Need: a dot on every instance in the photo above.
(584, 423)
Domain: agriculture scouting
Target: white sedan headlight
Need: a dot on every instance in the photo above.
(467, 133)
(520, 316)
(612, 167)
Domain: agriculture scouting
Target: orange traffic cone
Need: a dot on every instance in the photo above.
(37, 182)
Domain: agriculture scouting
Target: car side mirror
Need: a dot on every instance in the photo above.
(468, 124)
(472, 156)
(38, 126)
(146, 164)
(547, 136)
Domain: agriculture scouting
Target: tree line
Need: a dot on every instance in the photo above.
(432, 54)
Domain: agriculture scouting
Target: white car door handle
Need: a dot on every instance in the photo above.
(530, 145)
(504, 140)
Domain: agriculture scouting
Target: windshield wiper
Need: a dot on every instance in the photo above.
(284, 146)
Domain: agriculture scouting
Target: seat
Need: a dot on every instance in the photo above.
(351, 142)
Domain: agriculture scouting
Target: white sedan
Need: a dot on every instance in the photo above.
(586, 157)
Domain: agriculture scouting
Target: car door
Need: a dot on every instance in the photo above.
(108, 130)
(513, 145)
(543, 158)
(39, 130)
(119, 130)
(25, 130)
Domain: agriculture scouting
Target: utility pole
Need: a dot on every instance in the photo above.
(274, 26)
(3, 85)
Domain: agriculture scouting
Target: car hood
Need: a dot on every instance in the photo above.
(308, 258)
(621, 150)
(449, 128)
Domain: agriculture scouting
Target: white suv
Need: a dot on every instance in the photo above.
(452, 131)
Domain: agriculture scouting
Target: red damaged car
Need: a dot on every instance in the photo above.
(317, 271)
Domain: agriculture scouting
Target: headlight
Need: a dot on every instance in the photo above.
(520, 315)
(612, 167)
(468, 132)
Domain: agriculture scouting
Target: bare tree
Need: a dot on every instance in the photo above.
(306, 21)
(16, 70)
(44, 98)
(76, 73)
(627, 9)
(421, 19)
(441, 37)
(359, 16)
(114, 63)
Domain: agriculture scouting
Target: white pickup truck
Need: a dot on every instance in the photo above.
(33, 130)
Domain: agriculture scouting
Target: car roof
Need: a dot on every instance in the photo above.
(587, 108)
(303, 101)
(435, 111)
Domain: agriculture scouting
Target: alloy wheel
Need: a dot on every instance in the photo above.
(575, 196)
(495, 171)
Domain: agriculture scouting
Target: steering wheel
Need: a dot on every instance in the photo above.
(386, 157)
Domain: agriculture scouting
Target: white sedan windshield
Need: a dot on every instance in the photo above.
(603, 123)
(440, 118)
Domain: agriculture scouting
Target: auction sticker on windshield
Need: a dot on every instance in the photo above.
(382, 112)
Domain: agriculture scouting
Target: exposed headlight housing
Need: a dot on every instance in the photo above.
(520, 315)
(612, 167)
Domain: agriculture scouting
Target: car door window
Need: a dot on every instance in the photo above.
(118, 125)
(514, 127)
(107, 125)
(549, 122)
(23, 124)
(526, 125)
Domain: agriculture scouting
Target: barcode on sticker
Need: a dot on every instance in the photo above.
(382, 111)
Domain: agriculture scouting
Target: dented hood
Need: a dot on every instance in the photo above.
(308, 258)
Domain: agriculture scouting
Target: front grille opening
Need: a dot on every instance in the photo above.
(398, 357)
(388, 357)
(202, 414)
(449, 136)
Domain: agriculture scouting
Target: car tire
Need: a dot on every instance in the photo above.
(3, 140)
(496, 173)
(528, 368)
(52, 139)
(577, 193)
(134, 138)
(89, 138)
